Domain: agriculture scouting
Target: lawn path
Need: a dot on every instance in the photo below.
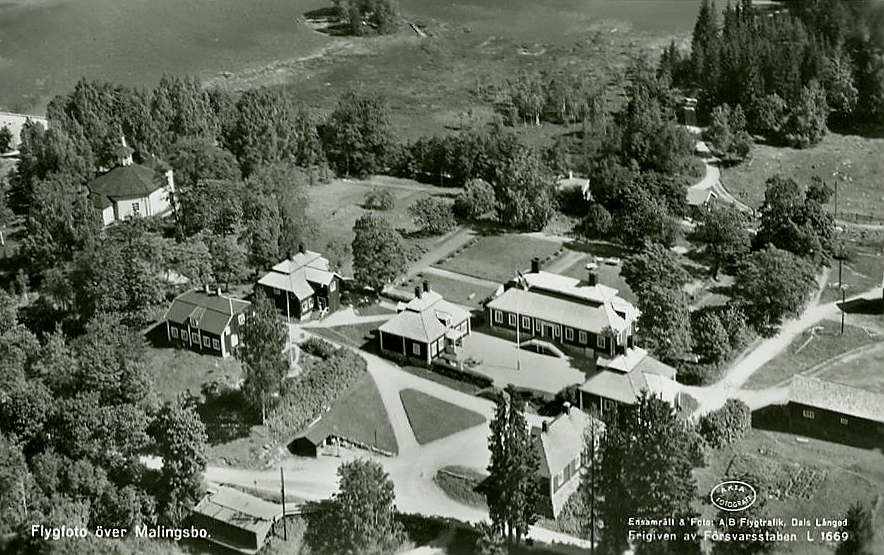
(446, 245)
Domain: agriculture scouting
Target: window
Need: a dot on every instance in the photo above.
(526, 323)
(216, 345)
(498, 316)
(332, 285)
(582, 336)
(305, 307)
(808, 414)
(174, 332)
(136, 208)
(234, 340)
(843, 421)
(206, 341)
(557, 331)
(512, 320)
(569, 334)
(241, 319)
(183, 335)
(434, 349)
(416, 349)
(600, 341)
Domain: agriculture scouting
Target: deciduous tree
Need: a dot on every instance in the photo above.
(180, 437)
(265, 365)
(655, 265)
(378, 252)
(476, 200)
(721, 229)
(432, 215)
(665, 324)
(357, 136)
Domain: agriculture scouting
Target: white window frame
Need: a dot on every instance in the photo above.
(234, 340)
(416, 348)
(557, 330)
(844, 421)
(207, 342)
(809, 414)
(332, 285)
(241, 318)
(600, 341)
(174, 331)
(216, 344)
(581, 335)
(569, 334)
(305, 307)
(136, 208)
(434, 349)
(526, 322)
(513, 320)
(498, 316)
(185, 336)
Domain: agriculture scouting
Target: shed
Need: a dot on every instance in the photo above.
(308, 442)
(236, 520)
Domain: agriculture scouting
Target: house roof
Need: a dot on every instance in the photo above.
(100, 201)
(126, 182)
(295, 274)
(698, 196)
(570, 287)
(421, 318)
(647, 374)
(562, 442)
(315, 434)
(562, 311)
(211, 313)
(240, 510)
(850, 401)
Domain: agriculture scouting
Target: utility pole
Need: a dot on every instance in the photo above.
(842, 311)
(285, 530)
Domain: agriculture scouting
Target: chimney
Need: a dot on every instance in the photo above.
(544, 426)
(417, 292)
(592, 273)
(301, 248)
(567, 406)
(535, 265)
(426, 286)
(570, 174)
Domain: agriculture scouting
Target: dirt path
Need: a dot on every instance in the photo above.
(446, 245)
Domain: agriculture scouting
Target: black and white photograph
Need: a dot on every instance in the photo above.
(442, 277)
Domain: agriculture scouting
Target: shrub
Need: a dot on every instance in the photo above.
(6, 137)
(726, 425)
(476, 200)
(319, 348)
(379, 198)
(597, 222)
(432, 215)
(305, 397)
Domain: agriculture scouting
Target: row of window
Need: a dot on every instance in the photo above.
(184, 336)
(582, 336)
(810, 415)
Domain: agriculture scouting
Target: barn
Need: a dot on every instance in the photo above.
(236, 520)
(835, 412)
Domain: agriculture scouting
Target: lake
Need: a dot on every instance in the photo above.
(47, 45)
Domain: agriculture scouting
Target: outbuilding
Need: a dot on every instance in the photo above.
(236, 520)
(835, 412)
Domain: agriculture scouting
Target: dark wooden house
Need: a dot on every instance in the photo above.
(303, 286)
(835, 412)
(206, 321)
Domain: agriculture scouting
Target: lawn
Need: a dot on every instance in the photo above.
(454, 290)
(442, 379)
(862, 371)
(498, 258)
(354, 335)
(460, 483)
(814, 479)
(359, 415)
(179, 370)
(432, 418)
(335, 207)
(809, 350)
(859, 157)
(859, 274)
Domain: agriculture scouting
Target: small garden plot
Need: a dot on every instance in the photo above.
(432, 418)
(462, 484)
(360, 416)
(810, 351)
(498, 258)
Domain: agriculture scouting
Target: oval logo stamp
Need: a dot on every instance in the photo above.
(733, 495)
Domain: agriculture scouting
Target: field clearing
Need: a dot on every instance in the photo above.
(848, 474)
(826, 343)
(337, 205)
(859, 157)
(432, 418)
(498, 258)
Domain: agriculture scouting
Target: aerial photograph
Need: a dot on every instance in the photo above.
(442, 277)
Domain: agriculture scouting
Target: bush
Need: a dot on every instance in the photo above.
(432, 215)
(304, 398)
(476, 200)
(726, 425)
(596, 223)
(379, 198)
(6, 137)
(319, 348)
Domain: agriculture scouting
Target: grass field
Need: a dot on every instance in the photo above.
(432, 418)
(447, 381)
(178, 370)
(497, 258)
(862, 371)
(826, 343)
(863, 272)
(861, 158)
(456, 291)
(354, 335)
(845, 475)
(359, 415)
(460, 483)
(336, 206)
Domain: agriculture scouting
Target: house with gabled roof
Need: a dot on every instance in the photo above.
(559, 445)
(303, 285)
(835, 411)
(426, 327)
(206, 321)
(236, 520)
(624, 381)
(130, 189)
